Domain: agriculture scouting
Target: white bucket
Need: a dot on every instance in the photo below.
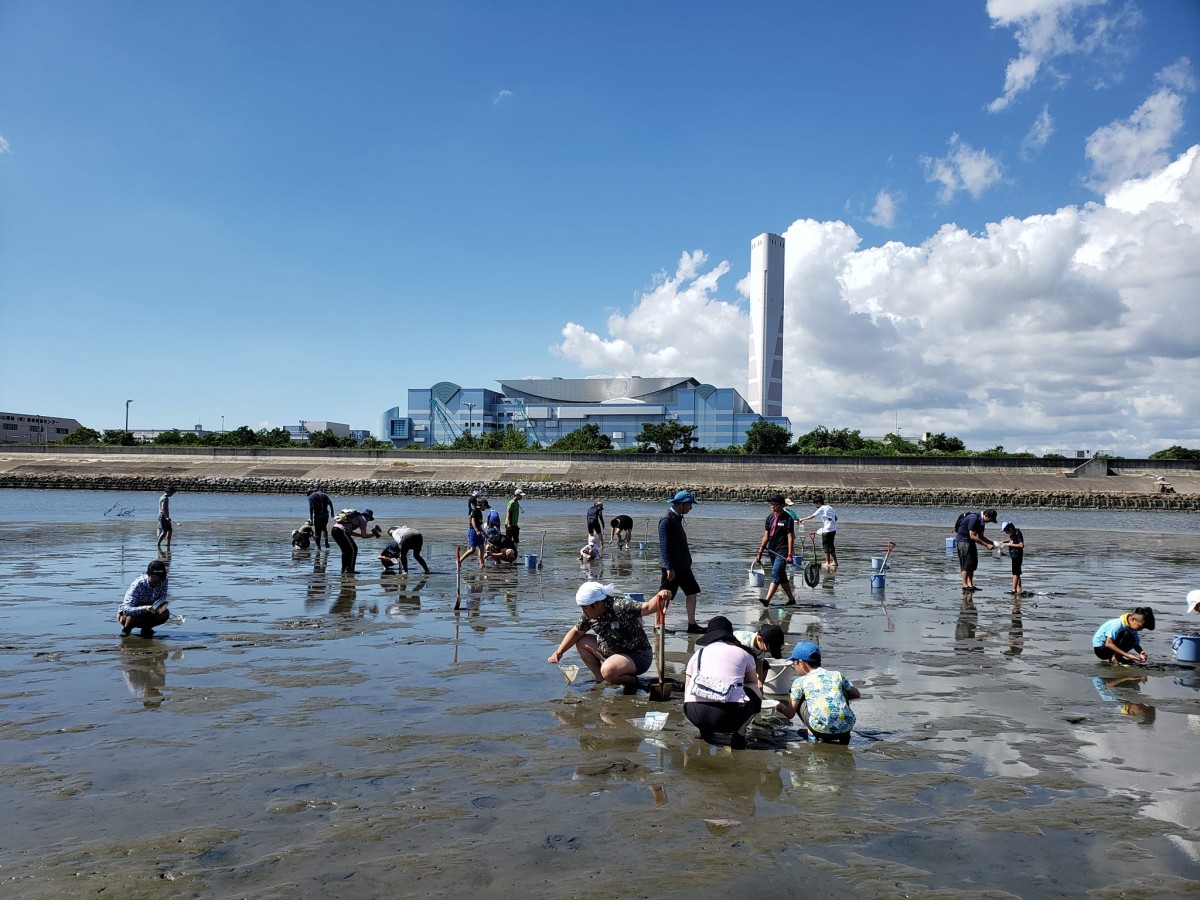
(950, 543)
(877, 563)
(755, 577)
(779, 677)
(641, 545)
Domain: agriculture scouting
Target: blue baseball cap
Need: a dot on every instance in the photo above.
(683, 497)
(805, 651)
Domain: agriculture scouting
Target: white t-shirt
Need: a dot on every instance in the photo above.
(828, 516)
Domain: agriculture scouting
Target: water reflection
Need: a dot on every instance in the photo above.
(144, 668)
(965, 627)
(1128, 683)
(1016, 632)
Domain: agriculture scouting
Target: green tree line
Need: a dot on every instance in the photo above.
(763, 439)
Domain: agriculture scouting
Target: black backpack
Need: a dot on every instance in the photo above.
(958, 522)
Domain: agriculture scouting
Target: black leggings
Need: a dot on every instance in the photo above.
(348, 547)
(722, 718)
(413, 542)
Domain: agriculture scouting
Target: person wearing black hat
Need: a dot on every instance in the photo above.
(779, 540)
(717, 696)
(767, 641)
(343, 536)
(145, 603)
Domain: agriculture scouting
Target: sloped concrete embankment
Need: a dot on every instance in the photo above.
(612, 490)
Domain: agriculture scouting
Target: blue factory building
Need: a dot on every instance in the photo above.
(546, 409)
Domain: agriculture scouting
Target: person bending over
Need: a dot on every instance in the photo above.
(618, 651)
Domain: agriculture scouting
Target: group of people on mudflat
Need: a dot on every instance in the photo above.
(723, 691)
(726, 676)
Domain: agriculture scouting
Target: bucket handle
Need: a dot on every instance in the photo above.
(758, 563)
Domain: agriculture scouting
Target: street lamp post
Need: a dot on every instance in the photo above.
(127, 402)
(222, 424)
(470, 416)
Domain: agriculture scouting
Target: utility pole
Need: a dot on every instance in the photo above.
(127, 402)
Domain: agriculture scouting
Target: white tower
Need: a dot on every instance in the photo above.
(766, 325)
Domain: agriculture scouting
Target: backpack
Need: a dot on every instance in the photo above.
(493, 517)
(958, 522)
(345, 516)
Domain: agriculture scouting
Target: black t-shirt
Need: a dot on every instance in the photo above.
(622, 522)
(778, 528)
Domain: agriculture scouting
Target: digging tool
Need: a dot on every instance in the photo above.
(662, 690)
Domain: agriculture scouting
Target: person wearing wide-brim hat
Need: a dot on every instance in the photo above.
(610, 636)
(717, 697)
(675, 556)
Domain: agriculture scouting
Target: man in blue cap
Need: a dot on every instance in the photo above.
(676, 558)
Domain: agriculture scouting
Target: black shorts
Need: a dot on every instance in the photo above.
(827, 541)
(1016, 564)
(684, 581)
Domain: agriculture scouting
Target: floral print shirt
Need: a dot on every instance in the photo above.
(619, 628)
(829, 711)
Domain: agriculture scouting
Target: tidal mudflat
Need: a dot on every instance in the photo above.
(307, 734)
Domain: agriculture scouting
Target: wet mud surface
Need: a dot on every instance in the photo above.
(302, 733)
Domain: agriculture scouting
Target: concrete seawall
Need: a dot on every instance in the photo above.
(838, 491)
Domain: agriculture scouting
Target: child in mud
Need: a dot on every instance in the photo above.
(1117, 639)
(592, 551)
(1015, 542)
(821, 697)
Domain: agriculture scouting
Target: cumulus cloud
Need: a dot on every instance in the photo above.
(963, 168)
(1049, 30)
(1038, 135)
(501, 97)
(1067, 330)
(1133, 147)
(886, 208)
(3, 144)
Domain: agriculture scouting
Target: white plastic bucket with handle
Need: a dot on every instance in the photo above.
(756, 577)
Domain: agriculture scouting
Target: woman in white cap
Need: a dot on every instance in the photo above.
(618, 651)
(1193, 601)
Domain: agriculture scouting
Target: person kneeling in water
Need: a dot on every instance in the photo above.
(1117, 639)
(619, 651)
(821, 697)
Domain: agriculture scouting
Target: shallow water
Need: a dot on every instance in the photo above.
(305, 733)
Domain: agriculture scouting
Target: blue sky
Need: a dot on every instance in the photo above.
(281, 211)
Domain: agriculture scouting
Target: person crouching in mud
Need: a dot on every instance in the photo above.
(145, 603)
(619, 651)
(1117, 639)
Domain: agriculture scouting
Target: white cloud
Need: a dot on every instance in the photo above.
(1049, 30)
(1067, 330)
(1133, 147)
(500, 97)
(3, 144)
(962, 169)
(1039, 134)
(886, 208)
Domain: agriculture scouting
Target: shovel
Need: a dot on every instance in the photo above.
(887, 555)
(542, 551)
(662, 690)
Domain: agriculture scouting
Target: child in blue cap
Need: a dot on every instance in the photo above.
(821, 697)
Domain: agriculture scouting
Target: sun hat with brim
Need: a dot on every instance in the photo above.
(719, 628)
(805, 651)
(683, 497)
(592, 591)
(1193, 601)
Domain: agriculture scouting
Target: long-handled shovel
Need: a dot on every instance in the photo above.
(887, 555)
(662, 690)
(542, 551)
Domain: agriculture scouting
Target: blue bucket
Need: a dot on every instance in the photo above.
(531, 561)
(635, 596)
(878, 580)
(950, 543)
(1186, 647)
(641, 545)
(797, 560)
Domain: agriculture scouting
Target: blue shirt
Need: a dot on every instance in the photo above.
(972, 522)
(141, 596)
(1114, 629)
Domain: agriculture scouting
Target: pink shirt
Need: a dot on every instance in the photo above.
(726, 662)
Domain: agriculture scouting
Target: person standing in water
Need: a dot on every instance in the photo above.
(827, 531)
(1015, 542)
(344, 532)
(512, 518)
(676, 557)
(779, 539)
(164, 518)
(968, 533)
(320, 510)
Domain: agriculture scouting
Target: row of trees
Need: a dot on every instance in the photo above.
(763, 439)
(243, 436)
